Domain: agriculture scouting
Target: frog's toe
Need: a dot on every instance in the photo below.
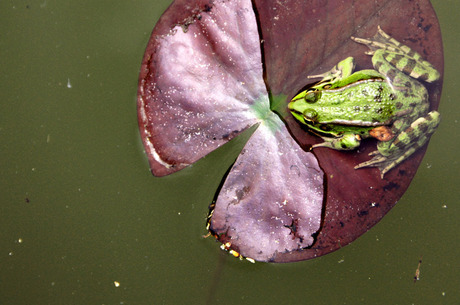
(374, 162)
(374, 153)
(379, 161)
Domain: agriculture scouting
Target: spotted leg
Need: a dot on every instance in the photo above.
(390, 154)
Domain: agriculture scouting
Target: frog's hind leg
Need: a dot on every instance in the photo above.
(406, 143)
(390, 53)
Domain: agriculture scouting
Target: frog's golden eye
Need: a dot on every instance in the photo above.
(310, 115)
(312, 96)
(327, 86)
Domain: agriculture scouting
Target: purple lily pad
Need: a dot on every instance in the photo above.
(356, 199)
(271, 202)
(204, 80)
(198, 82)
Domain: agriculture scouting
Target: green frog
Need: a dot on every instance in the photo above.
(388, 103)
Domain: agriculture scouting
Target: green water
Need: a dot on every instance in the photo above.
(80, 211)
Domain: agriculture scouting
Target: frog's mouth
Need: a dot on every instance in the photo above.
(335, 128)
(321, 130)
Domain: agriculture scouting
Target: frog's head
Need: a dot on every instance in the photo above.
(302, 106)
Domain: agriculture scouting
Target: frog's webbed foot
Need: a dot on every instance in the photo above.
(386, 163)
(390, 53)
(381, 40)
(383, 163)
(390, 154)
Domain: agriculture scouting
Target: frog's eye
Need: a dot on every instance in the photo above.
(312, 96)
(310, 115)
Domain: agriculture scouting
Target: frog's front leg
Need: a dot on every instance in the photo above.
(390, 154)
(347, 141)
(341, 70)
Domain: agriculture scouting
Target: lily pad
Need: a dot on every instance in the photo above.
(212, 69)
(355, 199)
(271, 200)
(198, 81)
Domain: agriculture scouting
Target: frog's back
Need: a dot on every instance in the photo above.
(364, 103)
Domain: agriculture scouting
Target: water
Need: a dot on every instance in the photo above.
(82, 220)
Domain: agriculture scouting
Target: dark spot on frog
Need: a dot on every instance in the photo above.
(391, 74)
(396, 59)
(411, 53)
(409, 67)
(408, 84)
(413, 136)
(424, 76)
(423, 127)
(378, 110)
(393, 97)
(366, 108)
(356, 108)
(399, 144)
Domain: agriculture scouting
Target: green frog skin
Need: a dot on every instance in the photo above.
(388, 103)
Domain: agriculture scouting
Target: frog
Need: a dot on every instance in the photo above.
(389, 103)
